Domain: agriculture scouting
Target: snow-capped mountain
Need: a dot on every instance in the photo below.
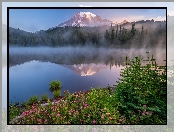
(86, 19)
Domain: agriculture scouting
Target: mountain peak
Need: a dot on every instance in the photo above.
(86, 19)
(88, 14)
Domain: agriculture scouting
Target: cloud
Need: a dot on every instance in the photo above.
(159, 18)
(129, 18)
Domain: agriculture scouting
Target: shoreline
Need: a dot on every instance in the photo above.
(53, 101)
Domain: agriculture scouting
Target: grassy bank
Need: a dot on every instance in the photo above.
(138, 98)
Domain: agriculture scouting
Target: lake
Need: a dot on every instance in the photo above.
(32, 69)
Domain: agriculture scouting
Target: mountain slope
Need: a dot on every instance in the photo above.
(86, 19)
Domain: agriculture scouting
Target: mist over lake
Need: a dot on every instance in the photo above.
(78, 68)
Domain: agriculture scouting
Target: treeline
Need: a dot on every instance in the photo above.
(131, 34)
(151, 36)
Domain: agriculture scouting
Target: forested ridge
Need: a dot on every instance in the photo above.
(148, 34)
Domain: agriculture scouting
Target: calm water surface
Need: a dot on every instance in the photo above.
(32, 69)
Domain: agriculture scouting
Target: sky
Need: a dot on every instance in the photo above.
(33, 20)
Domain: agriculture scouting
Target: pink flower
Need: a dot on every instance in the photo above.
(25, 113)
(39, 120)
(88, 115)
(143, 114)
(144, 106)
(58, 114)
(120, 120)
(102, 116)
(94, 122)
(147, 113)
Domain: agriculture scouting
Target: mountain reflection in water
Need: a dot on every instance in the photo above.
(86, 69)
(32, 69)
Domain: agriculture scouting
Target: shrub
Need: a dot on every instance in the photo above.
(24, 103)
(142, 89)
(56, 93)
(55, 85)
(33, 100)
(44, 97)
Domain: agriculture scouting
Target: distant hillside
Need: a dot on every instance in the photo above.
(140, 33)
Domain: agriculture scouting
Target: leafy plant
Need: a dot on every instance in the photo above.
(33, 100)
(14, 111)
(56, 93)
(44, 97)
(55, 85)
(142, 88)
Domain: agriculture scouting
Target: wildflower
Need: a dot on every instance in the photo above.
(108, 114)
(110, 118)
(45, 121)
(39, 120)
(144, 106)
(147, 113)
(102, 116)
(143, 114)
(81, 120)
(120, 120)
(88, 115)
(58, 114)
(104, 109)
(25, 113)
(94, 122)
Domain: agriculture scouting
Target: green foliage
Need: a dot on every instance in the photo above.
(56, 93)
(142, 88)
(33, 100)
(13, 111)
(55, 85)
(44, 97)
(78, 108)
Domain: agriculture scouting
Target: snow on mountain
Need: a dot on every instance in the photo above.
(86, 19)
